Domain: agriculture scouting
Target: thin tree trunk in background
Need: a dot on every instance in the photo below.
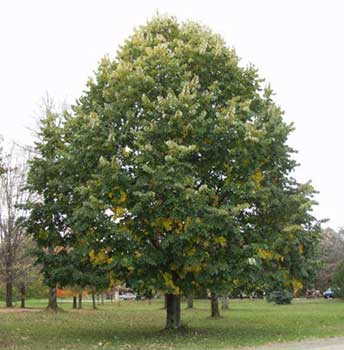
(102, 298)
(190, 301)
(22, 290)
(94, 301)
(74, 302)
(214, 301)
(9, 294)
(173, 311)
(225, 302)
(52, 301)
(80, 301)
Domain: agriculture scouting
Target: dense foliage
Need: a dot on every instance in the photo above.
(173, 173)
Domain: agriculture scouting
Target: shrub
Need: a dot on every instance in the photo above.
(281, 297)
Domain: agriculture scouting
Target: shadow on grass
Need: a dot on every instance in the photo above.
(231, 332)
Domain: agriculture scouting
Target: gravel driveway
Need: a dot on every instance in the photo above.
(322, 344)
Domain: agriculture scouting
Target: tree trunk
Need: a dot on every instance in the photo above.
(74, 302)
(9, 294)
(22, 290)
(80, 301)
(102, 298)
(215, 312)
(52, 301)
(173, 311)
(190, 301)
(94, 301)
(225, 302)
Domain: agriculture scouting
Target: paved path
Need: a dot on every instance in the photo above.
(324, 344)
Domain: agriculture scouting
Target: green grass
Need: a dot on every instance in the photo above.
(137, 325)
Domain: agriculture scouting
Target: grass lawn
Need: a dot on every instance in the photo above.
(136, 325)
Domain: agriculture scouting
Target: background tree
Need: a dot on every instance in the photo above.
(12, 236)
(338, 280)
(45, 223)
(331, 254)
(88, 272)
(28, 274)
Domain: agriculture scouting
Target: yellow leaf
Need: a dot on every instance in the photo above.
(170, 284)
(191, 252)
(179, 228)
(258, 178)
(269, 255)
(123, 197)
(194, 268)
(220, 240)
(118, 212)
(167, 223)
(100, 258)
(297, 285)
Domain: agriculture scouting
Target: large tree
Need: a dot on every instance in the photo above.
(176, 171)
(184, 165)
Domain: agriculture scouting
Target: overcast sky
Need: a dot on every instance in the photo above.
(54, 45)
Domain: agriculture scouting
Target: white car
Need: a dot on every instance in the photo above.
(128, 296)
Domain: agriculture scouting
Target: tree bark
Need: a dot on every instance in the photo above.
(9, 294)
(80, 301)
(52, 301)
(225, 303)
(190, 301)
(173, 311)
(94, 301)
(215, 312)
(74, 302)
(22, 290)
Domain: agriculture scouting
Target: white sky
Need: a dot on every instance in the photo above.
(54, 45)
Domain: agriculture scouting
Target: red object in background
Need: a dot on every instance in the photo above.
(64, 293)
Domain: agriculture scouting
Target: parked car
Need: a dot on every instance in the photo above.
(128, 296)
(328, 294)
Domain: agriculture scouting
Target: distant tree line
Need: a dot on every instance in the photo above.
(331, 256)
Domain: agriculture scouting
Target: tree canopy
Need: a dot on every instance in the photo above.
(174, 170)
